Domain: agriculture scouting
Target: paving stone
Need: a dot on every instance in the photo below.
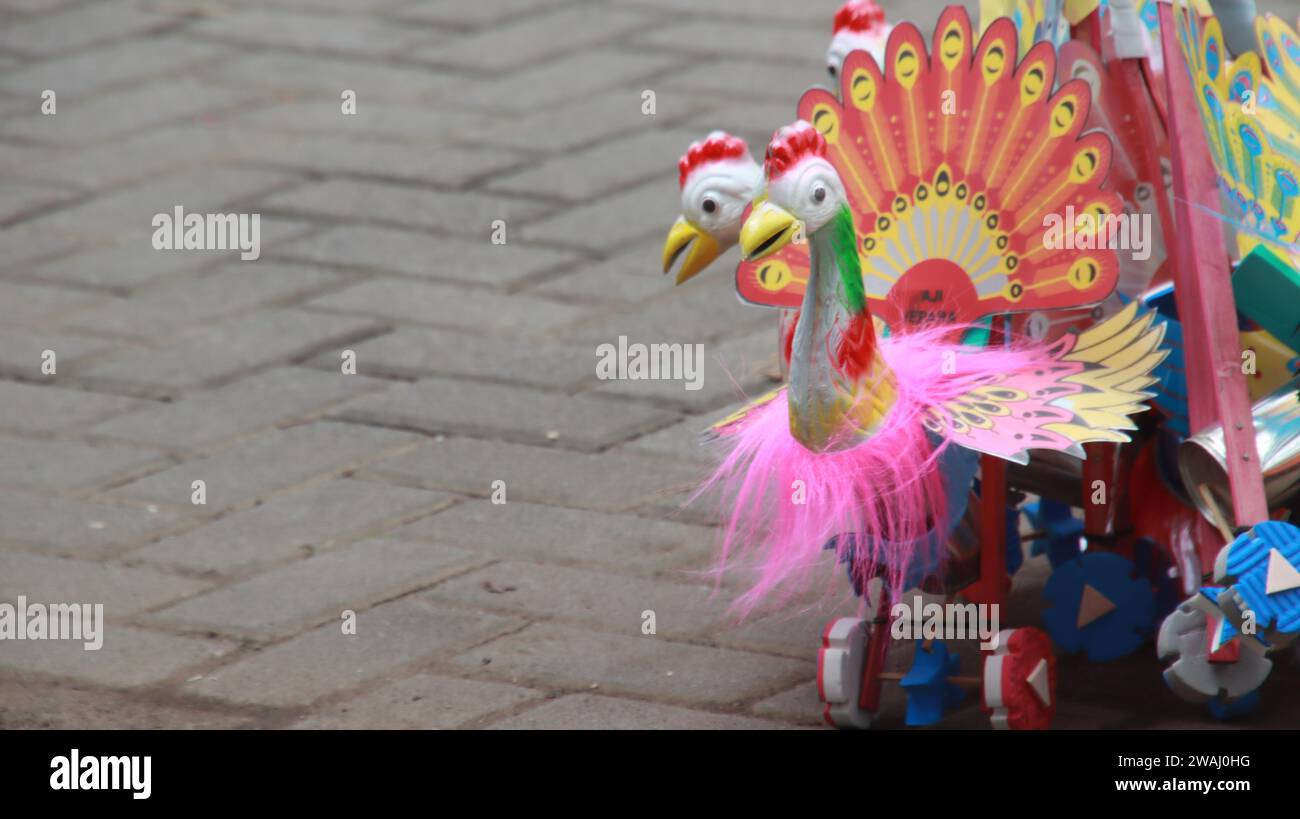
(754, 95)
(269, 462)
(33, 8)
(309, 521)
(609, 166)
(129, 657)
(615, 603)
(42, 408)
(27, 701)
(390, 638)
(151, 153)
(628, 278)
(176, 305)
(681, 440)
(245, 406)
(130, 211)
(618, 221)
(122, 591)
(589, 120)
(448, 306)
(797, 44)
(105, 116)
(462, 214)
(455, 12)
(520, 43)
(83, 73)
(553, 654)
(374, 120)
(312, 32)
(423, 701)
(77, 528)
(411, 352)
(680, 315)
(26, 303)
(340, 7)
(22, 352)
(795, 633)
(24, 247)
(68, 465)
(596, 713)
(609, 482)
(325, 78)
(562, 536)
(442, 405)
(20, 200)
(764, 10)
(752, 121)
(56, 34)
(283, 600)
(801, 704)
(232, 347)
(130, 266)
(569, 78)
(729, 371)
(445, 167)
(471, 261)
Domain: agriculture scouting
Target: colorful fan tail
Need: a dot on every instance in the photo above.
(954, 163)
(1136, 173)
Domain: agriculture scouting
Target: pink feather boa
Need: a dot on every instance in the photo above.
(888, 490)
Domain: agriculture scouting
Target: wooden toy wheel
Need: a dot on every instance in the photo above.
(841, 661)
(1019, 690)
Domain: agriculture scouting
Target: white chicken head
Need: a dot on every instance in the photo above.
(718, 179)
(804, 192)
(859, 26)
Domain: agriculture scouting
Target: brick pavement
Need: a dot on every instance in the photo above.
(372, 492)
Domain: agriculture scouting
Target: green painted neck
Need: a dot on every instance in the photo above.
(843, 241)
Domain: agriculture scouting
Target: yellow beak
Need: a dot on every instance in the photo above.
(767, 230)
(701, 249)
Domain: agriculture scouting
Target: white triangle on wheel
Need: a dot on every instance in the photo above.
(1038, 681)
(1282, 576)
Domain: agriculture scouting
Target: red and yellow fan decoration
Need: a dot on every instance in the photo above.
(952, 161)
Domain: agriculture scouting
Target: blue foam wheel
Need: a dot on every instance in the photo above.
(1098, 604)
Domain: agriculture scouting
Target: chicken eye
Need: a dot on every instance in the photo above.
(831, 69)
(819, 194)
(708, 206)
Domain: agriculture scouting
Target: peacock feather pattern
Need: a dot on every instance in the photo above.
(1092, 382)
(1252, 125)
(951, 163)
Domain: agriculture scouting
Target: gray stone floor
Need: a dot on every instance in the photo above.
(370, 493)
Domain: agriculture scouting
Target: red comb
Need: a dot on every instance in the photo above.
(858, 15)
(717, 146)
(791, 144)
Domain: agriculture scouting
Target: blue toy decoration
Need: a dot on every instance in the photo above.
(1060, 530)
(1261, 569)
(929, 693)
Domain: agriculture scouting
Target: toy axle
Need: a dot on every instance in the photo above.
(966, 681)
